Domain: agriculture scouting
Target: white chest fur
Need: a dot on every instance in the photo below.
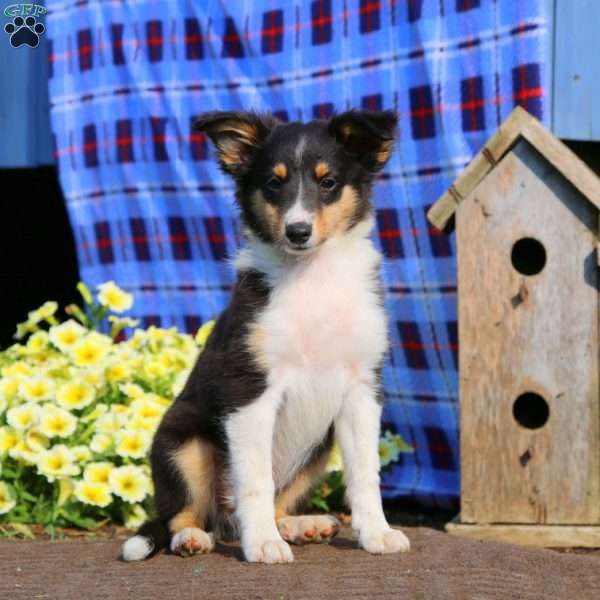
(323, 329)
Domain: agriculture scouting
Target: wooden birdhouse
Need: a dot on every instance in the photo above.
(526, 212)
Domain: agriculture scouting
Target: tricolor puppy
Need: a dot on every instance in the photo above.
(294, 362)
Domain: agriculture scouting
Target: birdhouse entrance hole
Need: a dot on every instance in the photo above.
(531, 411)
(528, 256)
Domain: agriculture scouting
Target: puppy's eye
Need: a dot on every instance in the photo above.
(274, 184)
(327, 183)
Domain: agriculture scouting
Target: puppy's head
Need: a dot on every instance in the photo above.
(301, 184)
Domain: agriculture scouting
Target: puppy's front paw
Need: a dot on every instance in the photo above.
(384, 541)
(192, 540)
(301, 529)
(270, 552)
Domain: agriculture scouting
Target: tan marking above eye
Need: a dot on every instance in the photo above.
(280, 170)
(321, 169)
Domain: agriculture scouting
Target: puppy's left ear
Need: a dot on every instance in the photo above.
(366, 135)
(236, 136)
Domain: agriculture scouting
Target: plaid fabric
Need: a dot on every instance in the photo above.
(150, 209)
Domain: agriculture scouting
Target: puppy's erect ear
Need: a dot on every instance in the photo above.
(236, 135)
(368, 136)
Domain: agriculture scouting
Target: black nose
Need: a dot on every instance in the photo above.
(298, 233)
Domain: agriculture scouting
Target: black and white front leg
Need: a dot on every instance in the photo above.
(357, 431)
(250, 437)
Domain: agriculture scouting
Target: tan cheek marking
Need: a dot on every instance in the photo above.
(321, 170)
(280, 170)
(271, 217)
(195, 462)
(336, 217)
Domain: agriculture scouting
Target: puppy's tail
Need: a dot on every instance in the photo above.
(151, 537)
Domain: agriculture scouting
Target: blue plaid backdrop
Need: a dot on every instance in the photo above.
(150, 209)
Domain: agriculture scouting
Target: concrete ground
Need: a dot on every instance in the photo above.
(439, 566)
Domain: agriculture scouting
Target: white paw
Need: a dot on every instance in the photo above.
(192, 540)
(384, 541)
(270, 552)
(302, 529)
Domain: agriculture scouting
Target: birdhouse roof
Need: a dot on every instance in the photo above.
(519, 125)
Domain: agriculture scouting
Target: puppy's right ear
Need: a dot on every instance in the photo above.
(237, 136)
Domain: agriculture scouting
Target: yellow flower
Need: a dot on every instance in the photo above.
(100, 443)
(9, 386)
(37, 342)
(81, 453)
(57, 462)
(93, 377)
(57, 422)
(156, 335)
(141, 424)
(65, 335)
(120, 323)
(114, 298)
(155, 368)
(117, 372)
(131, 390)
(135, 516)
(22, 452)
(109, 423)
(24, 416)
(37, 388)
(96, 494)
(36, 440)
(203, 333)
(133, 444)
(75, 395)
(8, 439)
(129, 483)
(45, 311)
(147, 407)
(90, 350)
(98, 472)
(7, 502)
(18, 368)
(169, 359)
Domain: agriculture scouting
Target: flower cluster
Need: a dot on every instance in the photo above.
(78, 410)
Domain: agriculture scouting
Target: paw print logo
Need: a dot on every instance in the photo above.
(24, 32)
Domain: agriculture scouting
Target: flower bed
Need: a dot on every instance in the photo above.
(78, 410)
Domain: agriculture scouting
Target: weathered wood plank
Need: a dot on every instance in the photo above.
(546, 536)
(528, 334)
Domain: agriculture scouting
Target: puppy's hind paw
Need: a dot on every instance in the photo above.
(192, 540)
(384, 541)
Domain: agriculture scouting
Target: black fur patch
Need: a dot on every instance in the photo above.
(224, 378)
